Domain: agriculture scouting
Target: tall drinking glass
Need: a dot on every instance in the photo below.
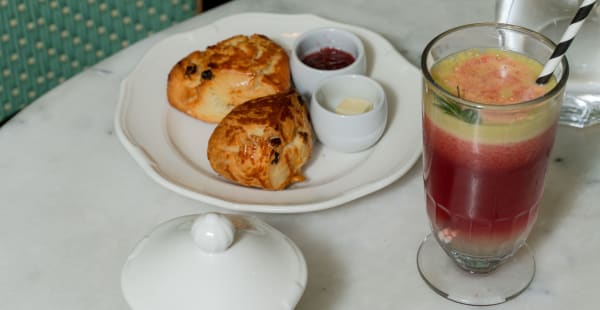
(488, 130)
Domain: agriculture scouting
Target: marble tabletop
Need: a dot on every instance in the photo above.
(73, 203)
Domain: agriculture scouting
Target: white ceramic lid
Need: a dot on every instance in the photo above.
(214, 261)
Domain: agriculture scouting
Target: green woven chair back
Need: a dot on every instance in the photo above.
(43, 43)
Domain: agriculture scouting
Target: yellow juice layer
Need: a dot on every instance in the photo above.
(493, 77)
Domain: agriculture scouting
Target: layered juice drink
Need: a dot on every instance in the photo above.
(487, 138)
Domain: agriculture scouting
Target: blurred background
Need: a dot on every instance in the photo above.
(43, 43)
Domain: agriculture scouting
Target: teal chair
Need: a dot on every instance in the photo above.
(43, 43)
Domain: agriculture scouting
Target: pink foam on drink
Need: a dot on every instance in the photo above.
(492, 77)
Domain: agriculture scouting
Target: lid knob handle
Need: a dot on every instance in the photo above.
(213, 232)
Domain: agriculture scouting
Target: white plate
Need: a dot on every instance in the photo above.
(171, 147)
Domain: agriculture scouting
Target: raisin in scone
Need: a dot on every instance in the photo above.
(264, 142)
(208, 84)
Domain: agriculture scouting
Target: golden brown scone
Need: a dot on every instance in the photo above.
(264, 142)
(208, 84)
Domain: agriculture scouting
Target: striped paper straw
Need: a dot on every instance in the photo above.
(566, 40)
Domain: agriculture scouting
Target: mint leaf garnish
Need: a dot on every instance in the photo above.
(450, 107)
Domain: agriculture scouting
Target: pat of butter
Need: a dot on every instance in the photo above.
(351, 106)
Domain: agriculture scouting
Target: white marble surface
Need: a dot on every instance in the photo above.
(73, 203)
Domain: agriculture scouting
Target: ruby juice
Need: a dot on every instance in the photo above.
(484, 165)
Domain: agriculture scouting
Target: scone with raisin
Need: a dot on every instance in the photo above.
(208, 84)
(264, 142)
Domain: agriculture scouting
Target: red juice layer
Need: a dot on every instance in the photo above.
(483, 189)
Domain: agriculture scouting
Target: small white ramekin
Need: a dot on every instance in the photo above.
(305, 77)
(348, 133)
